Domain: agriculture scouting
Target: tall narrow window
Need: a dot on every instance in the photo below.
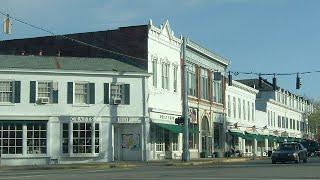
(239, 107)
(253, 109)
(204, 84)
(244, 110)
(154, 72)
(97, 138)
(249, 116)
(234, 107)
(175, 78)
(191, 80)
(65, 138)
(165, 76)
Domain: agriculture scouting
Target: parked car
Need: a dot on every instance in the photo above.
(312, 147)
(289, 152)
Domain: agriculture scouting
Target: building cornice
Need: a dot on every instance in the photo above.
(194, 46)
(72, 72)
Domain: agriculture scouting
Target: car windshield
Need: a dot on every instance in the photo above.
(288, 147)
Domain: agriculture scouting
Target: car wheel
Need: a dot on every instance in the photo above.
(305, 160)
(298, 160)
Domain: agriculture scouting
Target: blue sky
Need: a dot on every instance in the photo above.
(267, 36)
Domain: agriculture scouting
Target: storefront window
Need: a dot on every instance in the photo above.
(37, 138)
(82, 138)
(11, 138)
(175, 142)
(194, 136)
(159, 139)
(65, 138)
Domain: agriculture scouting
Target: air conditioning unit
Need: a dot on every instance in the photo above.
(117, 101)
(43, 100)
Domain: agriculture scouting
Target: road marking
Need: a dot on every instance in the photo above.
(22, 177)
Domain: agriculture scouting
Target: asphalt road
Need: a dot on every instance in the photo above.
(252, 170)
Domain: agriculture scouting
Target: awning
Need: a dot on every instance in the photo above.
(177, 128)
(236, 132)
(171, 127)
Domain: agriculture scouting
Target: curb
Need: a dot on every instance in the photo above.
(68, 166)
(217, 161)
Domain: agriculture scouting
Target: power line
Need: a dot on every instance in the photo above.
(69, 38)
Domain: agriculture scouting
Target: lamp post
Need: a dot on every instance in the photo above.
(185, 154)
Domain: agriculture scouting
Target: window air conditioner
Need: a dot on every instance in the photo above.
(117, 101)
(43, 100)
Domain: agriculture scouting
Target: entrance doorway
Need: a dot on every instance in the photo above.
(206, 139)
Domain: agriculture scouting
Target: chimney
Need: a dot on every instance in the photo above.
(40, 52)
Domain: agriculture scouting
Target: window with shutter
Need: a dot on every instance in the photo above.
(6, 91)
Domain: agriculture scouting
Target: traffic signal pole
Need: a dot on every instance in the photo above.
(185, 153)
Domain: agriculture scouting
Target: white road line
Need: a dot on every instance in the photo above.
(22, 177)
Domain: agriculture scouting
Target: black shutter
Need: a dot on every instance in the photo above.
(17, 91)
(127, 94)
(106, 93)
(32, 91)
(55, 96)
(91, 93)
(70, 93)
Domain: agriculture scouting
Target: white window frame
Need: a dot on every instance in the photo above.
(155, 71)
(10, 92)
(49, 91)
(175, 78)
(191, 80)
(165, 75)
(86, 84)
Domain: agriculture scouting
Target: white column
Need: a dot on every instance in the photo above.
(147, 140)
(93, 138)
(24, 140)
(255, 147)
(112, 142)
(244, 145)
(266, 142)
(70, 139)
(240, 143)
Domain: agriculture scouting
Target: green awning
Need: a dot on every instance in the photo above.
(171, 127)
(236, 133)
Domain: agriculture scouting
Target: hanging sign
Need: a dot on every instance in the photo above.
(7, 25)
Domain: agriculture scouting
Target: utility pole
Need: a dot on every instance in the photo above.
(185, 153)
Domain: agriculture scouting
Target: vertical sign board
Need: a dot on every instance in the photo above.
(7, 25)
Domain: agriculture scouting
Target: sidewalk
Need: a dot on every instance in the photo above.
(130, 164)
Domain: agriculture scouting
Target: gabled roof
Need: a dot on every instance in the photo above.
(66, 63)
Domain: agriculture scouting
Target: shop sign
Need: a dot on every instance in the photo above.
(122, 119)
(167, 117)
(82, 118)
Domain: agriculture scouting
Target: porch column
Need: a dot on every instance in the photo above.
(244, 145)
(266, 142)
(255, 147)
(240, 144)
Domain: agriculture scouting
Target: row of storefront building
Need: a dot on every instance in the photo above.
(63, 102)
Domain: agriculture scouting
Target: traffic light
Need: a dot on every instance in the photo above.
(298, 82)
(274, 83)
(260, 81)
(230, 79)
(179, 120)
